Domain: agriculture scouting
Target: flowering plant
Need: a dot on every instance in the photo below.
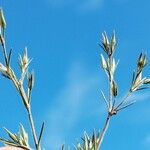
(25, 82)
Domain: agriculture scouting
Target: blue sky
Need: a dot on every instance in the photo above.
(62, 37)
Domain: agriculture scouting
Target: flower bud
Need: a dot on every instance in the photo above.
(11, 135)
(103, 62)
(105, 43)
(142, 61)
(147, 81)
(113, 42)
(24, 61)
(114, 89)
(30, 78)
(3, 69)
(2, 22)
(25, 57)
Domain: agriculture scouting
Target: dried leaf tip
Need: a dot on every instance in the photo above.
(2, 22)
(30, 78)
(105, 43)
(103, 62)
(114, 89)
(113, 42)
(3, 69)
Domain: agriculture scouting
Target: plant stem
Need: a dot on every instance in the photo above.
(22, 93)
(33, 129)
(110, 80)
(29, 112)
(103, 131)
(30, 117)
(4, 49)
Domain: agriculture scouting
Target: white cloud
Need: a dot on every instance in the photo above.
(65, 113)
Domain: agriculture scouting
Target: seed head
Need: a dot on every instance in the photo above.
(142, 61)
(24, 61)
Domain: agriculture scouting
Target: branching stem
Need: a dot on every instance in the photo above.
(20, 89)
(123, 101)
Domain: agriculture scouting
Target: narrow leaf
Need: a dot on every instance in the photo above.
(105, 100)
(41, 132)
(125, 106)
(9, 57)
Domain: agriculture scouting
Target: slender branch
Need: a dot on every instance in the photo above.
(4, 50)
(110, 85)
(123, 101)
(19, 86)
(127, 105)
(114, 102)
(28, 109)
(104, 131)
(110, 80)
(33, 129)
(30, 117)
(105, 100)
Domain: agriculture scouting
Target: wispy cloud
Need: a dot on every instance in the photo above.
(146, 142)
(90, 5)
(82, 5)
(137, 97)
(68, 105)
